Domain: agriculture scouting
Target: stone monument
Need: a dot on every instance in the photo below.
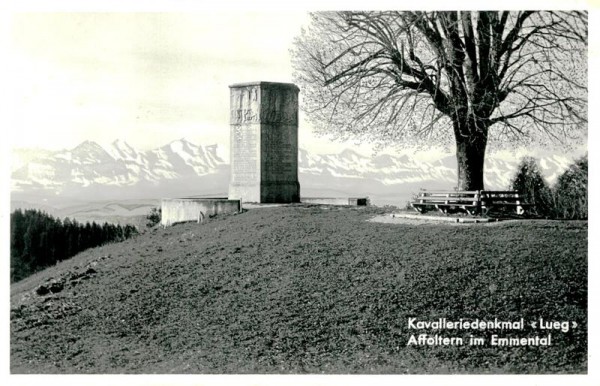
(264, 142)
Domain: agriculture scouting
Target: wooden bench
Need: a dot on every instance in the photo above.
(512, 200)
(472, 202)
(447, 201)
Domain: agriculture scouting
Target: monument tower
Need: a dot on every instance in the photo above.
(264, 142)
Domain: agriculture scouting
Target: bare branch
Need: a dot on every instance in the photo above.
(393, 75)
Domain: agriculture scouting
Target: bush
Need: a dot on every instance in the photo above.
(571, 192)
(531, 184)
(153, 217)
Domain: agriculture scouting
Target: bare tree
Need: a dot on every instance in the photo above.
(426, 78)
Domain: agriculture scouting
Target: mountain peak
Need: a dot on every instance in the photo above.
(89, 149)
(349, 153)
(181, 146)
(87, 144)
(86, 153)
(182, 141)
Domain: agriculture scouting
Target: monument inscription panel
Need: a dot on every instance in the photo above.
(245, 144)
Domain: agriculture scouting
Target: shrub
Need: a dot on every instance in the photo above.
(531, 184)
(408, 204)
(153, 217)
(571, 191)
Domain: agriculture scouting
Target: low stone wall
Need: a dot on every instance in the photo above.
(354, 201)
(176, 210)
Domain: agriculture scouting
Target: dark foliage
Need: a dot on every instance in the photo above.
(38, 240)
(567, 199)
(153, 217)
(571, 191)
(530, 182)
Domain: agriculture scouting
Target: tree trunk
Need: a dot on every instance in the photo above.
(470, 154)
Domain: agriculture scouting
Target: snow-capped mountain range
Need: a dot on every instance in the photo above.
(119, 165)
(184, 168)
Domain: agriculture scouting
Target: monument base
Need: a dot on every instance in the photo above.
(177, 210)
(280, 192)
(351, 201)
(245, 193)
(266, 192)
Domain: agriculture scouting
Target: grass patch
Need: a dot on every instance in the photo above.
(304, 289)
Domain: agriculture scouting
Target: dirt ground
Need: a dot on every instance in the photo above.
(306, 289)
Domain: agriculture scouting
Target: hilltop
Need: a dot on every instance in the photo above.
(305, 289)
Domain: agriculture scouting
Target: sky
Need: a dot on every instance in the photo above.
(147, 78)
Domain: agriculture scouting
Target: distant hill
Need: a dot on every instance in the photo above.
(181, 168)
